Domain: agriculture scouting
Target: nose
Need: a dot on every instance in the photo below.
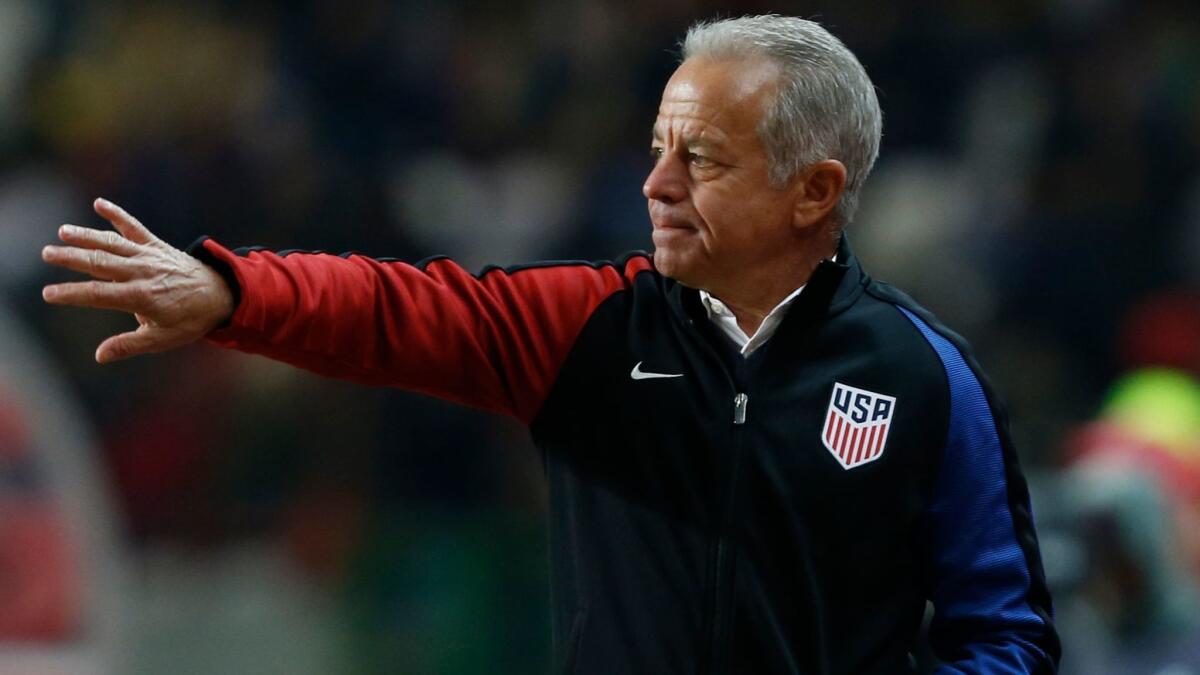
(667, 181)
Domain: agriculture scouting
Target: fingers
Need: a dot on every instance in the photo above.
(125, 296)
(127, 225)
(141, 341)
(115, 257)
(98, 263)
(125, 241)
(105, 240)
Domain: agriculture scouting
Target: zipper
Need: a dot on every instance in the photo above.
(716, 647)
(712, 660)
(723, 568)
(739, 408)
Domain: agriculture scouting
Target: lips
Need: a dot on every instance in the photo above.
(671, 236)
(668, 232)
(671, 224)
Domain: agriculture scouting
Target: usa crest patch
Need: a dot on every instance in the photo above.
(857, 425)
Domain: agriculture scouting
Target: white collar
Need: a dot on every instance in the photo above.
(724, 319)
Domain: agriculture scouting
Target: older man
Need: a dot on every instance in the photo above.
(760, 460)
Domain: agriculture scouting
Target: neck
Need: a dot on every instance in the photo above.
(754, 293)
(752, 307)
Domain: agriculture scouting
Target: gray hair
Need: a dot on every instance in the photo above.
(825, 107)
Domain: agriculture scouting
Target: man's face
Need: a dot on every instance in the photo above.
(714, 212)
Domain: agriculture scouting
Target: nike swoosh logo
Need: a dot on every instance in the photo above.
(638, 374)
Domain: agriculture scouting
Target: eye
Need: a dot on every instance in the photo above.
(656, 152)
(699, 161)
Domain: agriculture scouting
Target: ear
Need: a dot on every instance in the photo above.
(818, 189)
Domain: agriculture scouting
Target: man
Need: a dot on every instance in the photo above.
(760, 460)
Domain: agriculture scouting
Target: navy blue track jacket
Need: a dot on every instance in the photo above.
(787, 512)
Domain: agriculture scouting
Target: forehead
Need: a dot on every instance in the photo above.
(717, 97)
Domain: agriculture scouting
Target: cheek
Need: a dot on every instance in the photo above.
(729, 217)
(760, 214)
(716, 209)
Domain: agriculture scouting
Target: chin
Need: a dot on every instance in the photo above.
(671, 264)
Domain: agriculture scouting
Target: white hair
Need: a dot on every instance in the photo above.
(825, 107)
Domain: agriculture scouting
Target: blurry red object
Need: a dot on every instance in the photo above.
(40, 597)
(13, 431)
(40, 587)
(1163, 330)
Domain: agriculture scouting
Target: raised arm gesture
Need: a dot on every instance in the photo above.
(176, 298)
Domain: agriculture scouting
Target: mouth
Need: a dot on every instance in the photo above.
(667, 225)
(671, 234)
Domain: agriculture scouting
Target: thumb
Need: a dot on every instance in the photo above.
(144, 340)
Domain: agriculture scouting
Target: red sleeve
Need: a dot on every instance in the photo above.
(494, 342)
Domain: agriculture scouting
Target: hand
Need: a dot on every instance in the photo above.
(176, 298)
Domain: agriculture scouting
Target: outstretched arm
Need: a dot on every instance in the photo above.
(175, 298)
(493, 341)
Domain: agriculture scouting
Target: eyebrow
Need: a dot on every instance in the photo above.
(689, 141)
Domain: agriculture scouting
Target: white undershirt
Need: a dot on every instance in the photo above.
(724, 319)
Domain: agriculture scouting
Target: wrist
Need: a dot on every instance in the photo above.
(221, 277)
(223, 304)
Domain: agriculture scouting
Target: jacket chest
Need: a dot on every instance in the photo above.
(814, 435)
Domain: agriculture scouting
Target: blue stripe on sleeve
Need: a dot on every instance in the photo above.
(980, 577)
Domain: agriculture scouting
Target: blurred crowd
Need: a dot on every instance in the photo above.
(1038, 188)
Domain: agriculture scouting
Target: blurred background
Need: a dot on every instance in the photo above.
(206, 512)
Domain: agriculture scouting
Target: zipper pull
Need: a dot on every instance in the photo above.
(739, 408)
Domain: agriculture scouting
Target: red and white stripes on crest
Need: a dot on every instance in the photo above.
(854, 445)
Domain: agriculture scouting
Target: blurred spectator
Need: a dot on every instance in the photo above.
(63, 606)
(1136, 612)
(1134, 490)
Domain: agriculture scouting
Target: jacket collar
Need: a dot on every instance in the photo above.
(832, 288)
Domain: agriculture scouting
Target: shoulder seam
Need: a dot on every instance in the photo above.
(1036, 597)
(621, 263)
